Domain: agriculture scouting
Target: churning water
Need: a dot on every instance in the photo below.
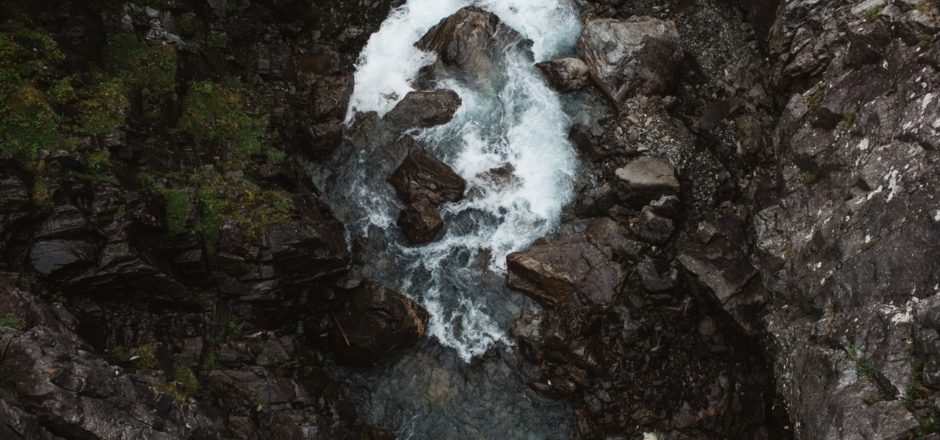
(522, 124)
(442, 389)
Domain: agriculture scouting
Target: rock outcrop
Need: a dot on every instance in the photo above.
(470, 44)
(376, 323)
(566, 74)
(424, 109)
(420, 222)
(639, 55)
(421, 176)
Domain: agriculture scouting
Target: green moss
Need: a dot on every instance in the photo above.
(12, 321)
(98, 161)
(871, 14)
(39, 194)
(239, 200)
(810, 177)
(103, 107)
(28, 121)
(143, 357)
(178, 209)
(217, 117)
(848, 120)
(185, 377)
(152, 69)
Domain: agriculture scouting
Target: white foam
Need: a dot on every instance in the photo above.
(523, 124)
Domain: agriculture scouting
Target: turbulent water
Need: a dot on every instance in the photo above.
(522, 124)
(447, 387)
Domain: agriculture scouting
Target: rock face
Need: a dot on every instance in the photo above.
(420, 222)
(648, 178)
(635, 56)
(566, 74)
(571, 268)
(376, 323)
(469, 44)
(421, 176)
(424, 109)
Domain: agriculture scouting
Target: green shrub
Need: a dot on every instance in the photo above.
(178, 209)
(12, 321)
(185, 377)
(151, 69)
(144, 357)
(103, 107)
(217, 117)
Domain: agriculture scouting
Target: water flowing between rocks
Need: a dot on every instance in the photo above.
(464, 379)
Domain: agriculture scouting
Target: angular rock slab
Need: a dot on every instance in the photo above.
(422, 176)
(470, 43)
(420, 222)
(551, 273)
(375, 324)
(424, 109)
(565, 74)
(635, 56)
(648, 178)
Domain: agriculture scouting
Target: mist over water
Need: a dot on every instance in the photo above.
(459, 384)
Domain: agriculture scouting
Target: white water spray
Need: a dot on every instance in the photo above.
(522, 126)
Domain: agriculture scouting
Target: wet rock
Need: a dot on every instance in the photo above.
(421, 176)
(655, 278)
(420, 222)
(424, 109)
(551, 273)
(375, 323)
(565, 74)
(647, 178)
(635, 56)
(653, 228)
(470, 44)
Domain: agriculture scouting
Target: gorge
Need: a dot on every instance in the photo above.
(441, 219)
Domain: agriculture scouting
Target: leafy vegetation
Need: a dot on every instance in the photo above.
(187, 380)
(178, 209)
(12, 321)
(144, 357)
(216, 116)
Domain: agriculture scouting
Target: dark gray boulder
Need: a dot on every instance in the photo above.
(375, 323)
(565, 74)
(639, 55)
(420, 222)
(421, 176)
(424, 109)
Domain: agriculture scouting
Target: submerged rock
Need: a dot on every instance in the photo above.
(375, 323)
(635, 56)
(420, 222)
(424, 109)
(422, 176)
(566, 74)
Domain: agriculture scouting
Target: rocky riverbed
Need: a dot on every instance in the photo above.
(381, 219)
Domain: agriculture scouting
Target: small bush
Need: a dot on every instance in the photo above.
(178, 209)
(217, 117)
(103, 107)
(144, 358)
(185, 377)
(12, 321)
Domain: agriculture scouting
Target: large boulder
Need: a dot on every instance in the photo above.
(375, 323)
(422, 176)
(424, 109)
(420, 222)
(635, 56)
(647, 178)
(565, 74)
(470, 44)
(552, 273)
